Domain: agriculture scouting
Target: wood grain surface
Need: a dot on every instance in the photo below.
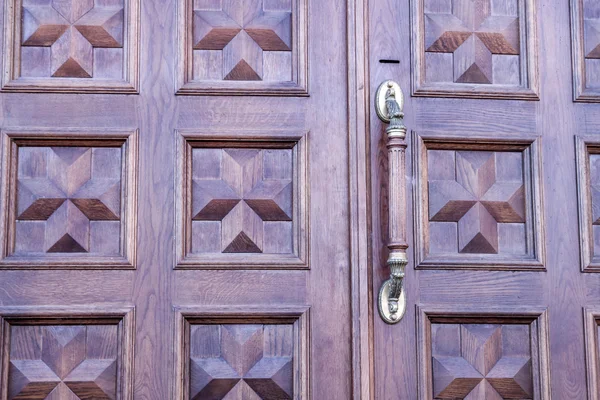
(285, 156)
(553, 34)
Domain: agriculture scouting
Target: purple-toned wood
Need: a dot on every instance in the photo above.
(71, 45)
(289, 169)
(545, 258)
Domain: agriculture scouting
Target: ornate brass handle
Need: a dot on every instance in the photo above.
(389, 102)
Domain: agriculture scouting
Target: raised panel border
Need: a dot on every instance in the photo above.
(535, 316)
(12, 82)
(529, 89)
(185, 85)
(299, 316)
(11, 139)
(591, 321)
(580, 92)
(184, 258)
(531, 147)
(65, 315)
(586, 145)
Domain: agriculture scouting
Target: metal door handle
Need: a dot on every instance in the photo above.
(389, 103)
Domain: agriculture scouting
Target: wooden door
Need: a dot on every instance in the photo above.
(175, 209)
(502, 177)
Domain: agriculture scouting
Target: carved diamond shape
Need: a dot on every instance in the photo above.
(480, 367)
(478, 200)
(242, 199)
(94, 378)
(72, 28)
(68, 196)
(58, 364)
(242, 370)
(473, 35)
(592, 38)
(31, 378)
(454, 377)
(243, 30)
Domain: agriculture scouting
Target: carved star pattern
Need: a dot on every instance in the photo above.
(68, 197)
(482, 371)
(473, 35)
(595, 187)
(243, 370)
(243, 30)
(242, 199)
(63, 370)
(592, 38)
(72, 29)
(477, 200)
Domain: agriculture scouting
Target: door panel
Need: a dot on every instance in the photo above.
(71, 46)
(247, 200)
(71, 199)
(503, 354)
(262, 355)
(586, 55)
(479, 203)
(68, 353)
(257, 48)
(178, 227)
(587, 177)
(491, 119)
(474, 49)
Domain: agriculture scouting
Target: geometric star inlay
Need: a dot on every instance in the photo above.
(592, 38)
(243, 195)
(477, 199)
(595, 187)
(472, 34)
(72, 29)
(243, 369)
(67, 187)
(242, 30)
(482, 366)
(62, 362)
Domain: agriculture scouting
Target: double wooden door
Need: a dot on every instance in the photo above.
(194, 199)
(502, 179)
(175, 200)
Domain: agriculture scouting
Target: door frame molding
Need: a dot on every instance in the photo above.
(360, 198)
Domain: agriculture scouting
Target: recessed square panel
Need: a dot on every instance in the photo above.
(243, 47)
(586, 49)
(262, 355)
(478, 204)
(61, 355)
(483, 355)
(244, 203)
(71, 46)
(474, 48)
(592, 329)
(588, 174)
(69, 202)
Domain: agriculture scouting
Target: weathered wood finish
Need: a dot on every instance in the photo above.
(588, 150)
(69, 199)
(479, 203)
(264, 354)
(591, 316)
(249, 47)
(482, 48)
(71, 46)
(300, 197)
(538, 276)
(67, 353)
(243, 204)
(496, 354)
(585, 17)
